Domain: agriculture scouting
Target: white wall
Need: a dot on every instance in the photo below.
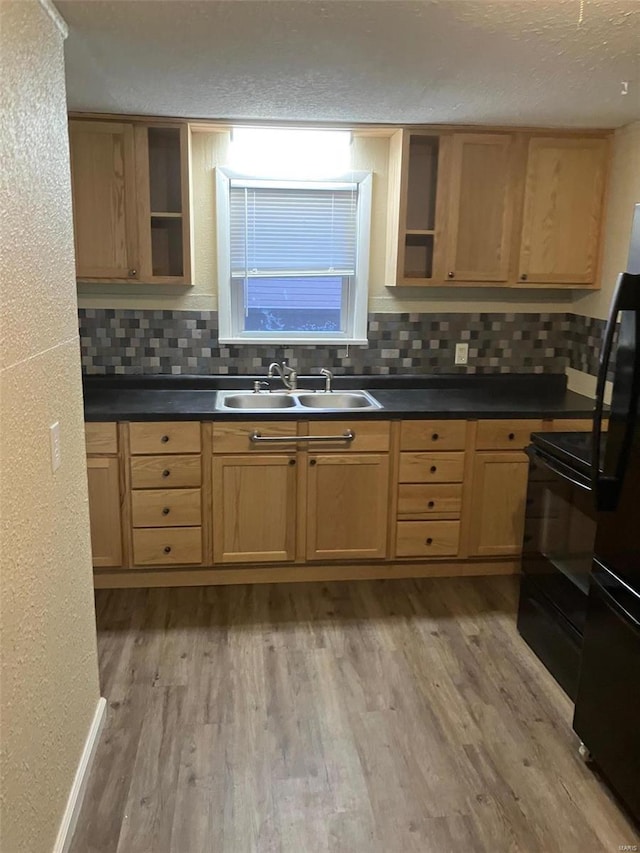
(49, 675)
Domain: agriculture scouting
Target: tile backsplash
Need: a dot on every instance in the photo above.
(140, 341)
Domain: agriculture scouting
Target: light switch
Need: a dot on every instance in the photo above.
(56, 451)
(462, 353)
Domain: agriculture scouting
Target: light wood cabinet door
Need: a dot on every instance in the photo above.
(104, 199)
(347, 504)
(481, 207)
(498, 504)
(562, 215)
(104, 510)
(254, 508)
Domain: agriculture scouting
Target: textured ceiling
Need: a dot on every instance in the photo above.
(438, 61)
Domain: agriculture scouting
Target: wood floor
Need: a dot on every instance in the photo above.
(368, 717)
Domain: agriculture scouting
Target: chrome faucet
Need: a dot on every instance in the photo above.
(287, 374)
(328, 376)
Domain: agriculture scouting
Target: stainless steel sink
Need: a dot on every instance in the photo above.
(296, 401)
(252, 401)
(339, 400)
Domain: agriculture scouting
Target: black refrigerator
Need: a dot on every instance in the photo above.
(607, 710)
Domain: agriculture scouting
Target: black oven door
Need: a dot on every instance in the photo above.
(560, 531)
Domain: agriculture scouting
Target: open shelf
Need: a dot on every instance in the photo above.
(418, 256)
(167, 257)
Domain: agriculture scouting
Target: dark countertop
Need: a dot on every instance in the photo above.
(184, 398)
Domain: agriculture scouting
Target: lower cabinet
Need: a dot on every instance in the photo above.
(254, 508)
(498, 503)
(347, 505)
(103, 474)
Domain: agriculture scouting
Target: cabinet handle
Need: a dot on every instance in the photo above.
(431, 504)
(523, 277)
(166, 510)
(164, 439)
(256, 437)
(292, 462)
(433, 469)
(435, 436)
(428, 541)
(512, 435)
(167, 549)
(313, 462)
(451, 274)
(166, 472)
(133, 272)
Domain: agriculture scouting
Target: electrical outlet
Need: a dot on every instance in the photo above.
(462, 353)
(56, 451)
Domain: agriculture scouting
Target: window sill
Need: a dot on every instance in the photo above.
(294, 341)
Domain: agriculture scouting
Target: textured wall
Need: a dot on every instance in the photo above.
(48, 642)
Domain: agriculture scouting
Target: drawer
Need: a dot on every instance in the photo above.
(427, 538)
(167, 546)
(571, 425)
(369, 435)
(166, 508)
(162, 472)
(234, 437)
(164, 437)
(506, 434)
(431, 467)
(433, 435)
(101, 437)
(423, 500)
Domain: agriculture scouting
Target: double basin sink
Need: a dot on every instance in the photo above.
(295, 401)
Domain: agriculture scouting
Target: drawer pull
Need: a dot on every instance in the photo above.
(167, 549)
(164, 439)
(428, 541)
(435, 436)
(292, 462)
(313, 462)
(433, 469)
(166, 510)
(257, 438)
(512, 435)
(166, 472)
(431, 504)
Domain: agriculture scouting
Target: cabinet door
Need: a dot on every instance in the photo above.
(254, 508)
(104, 203)
(104, 510)
(480, 207)
(347, 504)
(564, 188)
(498, 504)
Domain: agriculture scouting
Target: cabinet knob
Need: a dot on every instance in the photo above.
(431, 504)
(428, 541)
(166, 472)
(292, 462)
(313, 461)
(164, 439)
(166, 510)
(435, 436)
(167, 549)
(512, 435)
(451, 274)
(433, 469)
(523, 277)
(133, 272)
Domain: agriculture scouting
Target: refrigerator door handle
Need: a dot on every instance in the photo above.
(626, 298)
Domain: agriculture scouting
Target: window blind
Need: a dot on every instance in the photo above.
(294, 230)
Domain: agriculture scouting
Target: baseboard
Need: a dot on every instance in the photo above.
(76, 795)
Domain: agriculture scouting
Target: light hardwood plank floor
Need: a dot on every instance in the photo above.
(368, 717)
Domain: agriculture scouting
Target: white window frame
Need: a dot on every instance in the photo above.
(230, 314)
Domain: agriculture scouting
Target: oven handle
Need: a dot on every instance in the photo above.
(558, 468)
(613, 603)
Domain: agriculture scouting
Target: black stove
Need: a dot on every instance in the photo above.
(573, 449)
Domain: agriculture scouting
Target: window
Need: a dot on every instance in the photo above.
(293, 259)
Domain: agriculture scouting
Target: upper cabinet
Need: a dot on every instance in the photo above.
(131, 201)
(563, 200)
(480, 207)
(500, 209)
